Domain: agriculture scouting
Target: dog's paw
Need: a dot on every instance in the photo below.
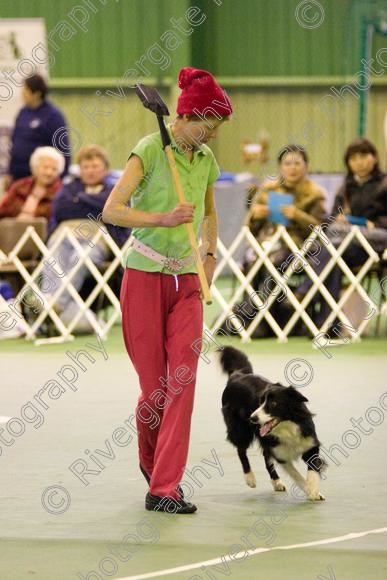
(250, 479)
(316, 496)
(278, 485)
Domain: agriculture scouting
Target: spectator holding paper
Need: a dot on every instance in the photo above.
(293, 200)
(308, 205)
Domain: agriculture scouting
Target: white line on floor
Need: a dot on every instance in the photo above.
(226, 558)
(4, 419)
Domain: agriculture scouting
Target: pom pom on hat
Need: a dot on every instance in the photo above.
(200, 91)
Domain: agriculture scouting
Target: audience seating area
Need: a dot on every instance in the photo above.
(22, 261)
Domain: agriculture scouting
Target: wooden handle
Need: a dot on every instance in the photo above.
(191, 234)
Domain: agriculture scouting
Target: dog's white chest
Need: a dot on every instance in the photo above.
(292, 443)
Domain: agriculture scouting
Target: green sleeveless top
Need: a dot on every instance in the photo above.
(156, 193)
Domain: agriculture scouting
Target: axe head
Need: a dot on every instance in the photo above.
(151, 100)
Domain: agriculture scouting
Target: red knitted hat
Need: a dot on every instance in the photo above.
(201, 94)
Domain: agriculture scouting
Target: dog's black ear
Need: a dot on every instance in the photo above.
(296, 395)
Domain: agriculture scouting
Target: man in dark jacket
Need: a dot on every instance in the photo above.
(78, 206)
(38, 124)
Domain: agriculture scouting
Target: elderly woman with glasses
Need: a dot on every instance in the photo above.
(32, 196)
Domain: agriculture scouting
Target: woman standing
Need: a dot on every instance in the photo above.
(39, 124)
(162, 313)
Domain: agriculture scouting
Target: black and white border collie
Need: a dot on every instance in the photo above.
(255, 408)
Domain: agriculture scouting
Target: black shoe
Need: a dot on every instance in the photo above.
(148, 481)
(168, 505)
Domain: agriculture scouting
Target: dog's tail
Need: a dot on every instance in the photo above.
(232, 359)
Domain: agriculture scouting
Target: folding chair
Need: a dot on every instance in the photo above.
(11, 230)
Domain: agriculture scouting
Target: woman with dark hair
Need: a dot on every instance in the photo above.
(35, 126)
(303, 206)
(308, 204)
(363, 194)
(361, 200)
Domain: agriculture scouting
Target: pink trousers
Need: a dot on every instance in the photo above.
(162, 317)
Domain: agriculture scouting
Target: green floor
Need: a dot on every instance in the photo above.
(89, 534)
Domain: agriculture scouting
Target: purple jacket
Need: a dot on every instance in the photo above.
(36, 128)
(72, 202)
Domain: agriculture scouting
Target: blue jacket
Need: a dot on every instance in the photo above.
(35, 128)
(72, 202)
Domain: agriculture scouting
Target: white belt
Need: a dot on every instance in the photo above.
(172, 264)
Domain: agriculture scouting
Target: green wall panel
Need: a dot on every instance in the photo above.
(256, 42)
(244, 38)
(283, 113)
(115, 36)
(260, 38)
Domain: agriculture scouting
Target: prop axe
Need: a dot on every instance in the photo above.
(151, 100)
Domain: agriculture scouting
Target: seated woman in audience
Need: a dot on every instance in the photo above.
(309, 199)
(361, 200)
(32, 196)
(363, 195)
(305, 207)
(78, 206)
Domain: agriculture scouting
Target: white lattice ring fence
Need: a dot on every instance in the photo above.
(243, 288)
(297, 255)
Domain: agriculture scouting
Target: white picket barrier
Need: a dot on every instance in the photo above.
(45, 304)
(246, 239)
